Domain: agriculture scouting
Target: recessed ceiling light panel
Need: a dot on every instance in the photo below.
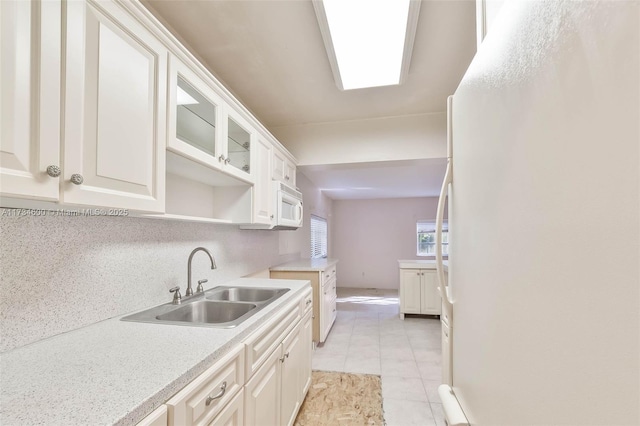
(369, 42)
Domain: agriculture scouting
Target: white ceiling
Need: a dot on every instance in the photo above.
(270, 54)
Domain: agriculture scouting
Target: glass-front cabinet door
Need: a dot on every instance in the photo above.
(195, 117)
(239, 144)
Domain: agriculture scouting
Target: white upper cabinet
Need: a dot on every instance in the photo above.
(283, 168)
(115, 109)
(203, 128)
(30, 99)
(263, 202)
(195, 116)
(240, 139)
(93, 94)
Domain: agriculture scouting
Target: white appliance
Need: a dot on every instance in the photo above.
(544, 220)
(288, 206)
(446, 313)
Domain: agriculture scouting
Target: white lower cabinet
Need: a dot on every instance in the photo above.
(329, 312)
(276, 391)
(261, 381)
(232, 414)
(262, 393)
(296, 370)
(419, 292)
(158, 417)
(202, 399)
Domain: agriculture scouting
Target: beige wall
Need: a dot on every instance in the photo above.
(370, 236)
(382, 139)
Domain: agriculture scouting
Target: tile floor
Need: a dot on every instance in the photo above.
(369, 337)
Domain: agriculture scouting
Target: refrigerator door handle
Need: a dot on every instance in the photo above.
(448, 179)
(442, 287)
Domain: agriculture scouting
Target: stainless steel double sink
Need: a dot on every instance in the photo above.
(220, 307)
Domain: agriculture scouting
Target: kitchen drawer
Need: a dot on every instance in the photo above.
(329, 287)
(158, 417)
(202, 399)
(260, 344)
(233, 413)
(329, 273)
(306, 304)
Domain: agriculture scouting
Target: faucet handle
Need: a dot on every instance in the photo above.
(177, 297)
(200, 289)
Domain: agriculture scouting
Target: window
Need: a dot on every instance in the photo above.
(426, 231)
(318, 237)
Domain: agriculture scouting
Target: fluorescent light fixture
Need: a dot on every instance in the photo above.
(369, 42)
(183, 98)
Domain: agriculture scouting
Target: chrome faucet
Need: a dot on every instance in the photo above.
(189, 291)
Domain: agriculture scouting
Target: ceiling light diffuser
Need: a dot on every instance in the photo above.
(369, 42)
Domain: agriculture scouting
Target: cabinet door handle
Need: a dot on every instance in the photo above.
(76, 179)
(417, 273)
(53, 171)
(211, 398)
(309, 302)
(284, 357)
(221, 159)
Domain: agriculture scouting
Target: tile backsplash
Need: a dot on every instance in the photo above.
(61, 273)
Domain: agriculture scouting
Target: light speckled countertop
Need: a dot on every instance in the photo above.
(117, 372)
(305, 265)
(421, 264)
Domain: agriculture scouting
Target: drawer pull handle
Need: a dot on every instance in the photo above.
(223, 389)
(309, 302)
(284, 357)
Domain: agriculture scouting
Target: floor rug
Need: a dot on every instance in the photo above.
(342, 399)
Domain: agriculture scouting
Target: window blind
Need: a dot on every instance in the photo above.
(318, 237)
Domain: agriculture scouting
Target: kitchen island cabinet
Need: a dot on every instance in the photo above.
(419, 288)
(323, 277)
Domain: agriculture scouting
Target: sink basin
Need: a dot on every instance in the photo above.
(208, 312)
(245, 294)
(219, 307)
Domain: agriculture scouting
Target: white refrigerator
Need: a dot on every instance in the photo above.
(544, 220)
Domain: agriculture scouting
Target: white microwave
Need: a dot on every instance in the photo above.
(288, 209)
